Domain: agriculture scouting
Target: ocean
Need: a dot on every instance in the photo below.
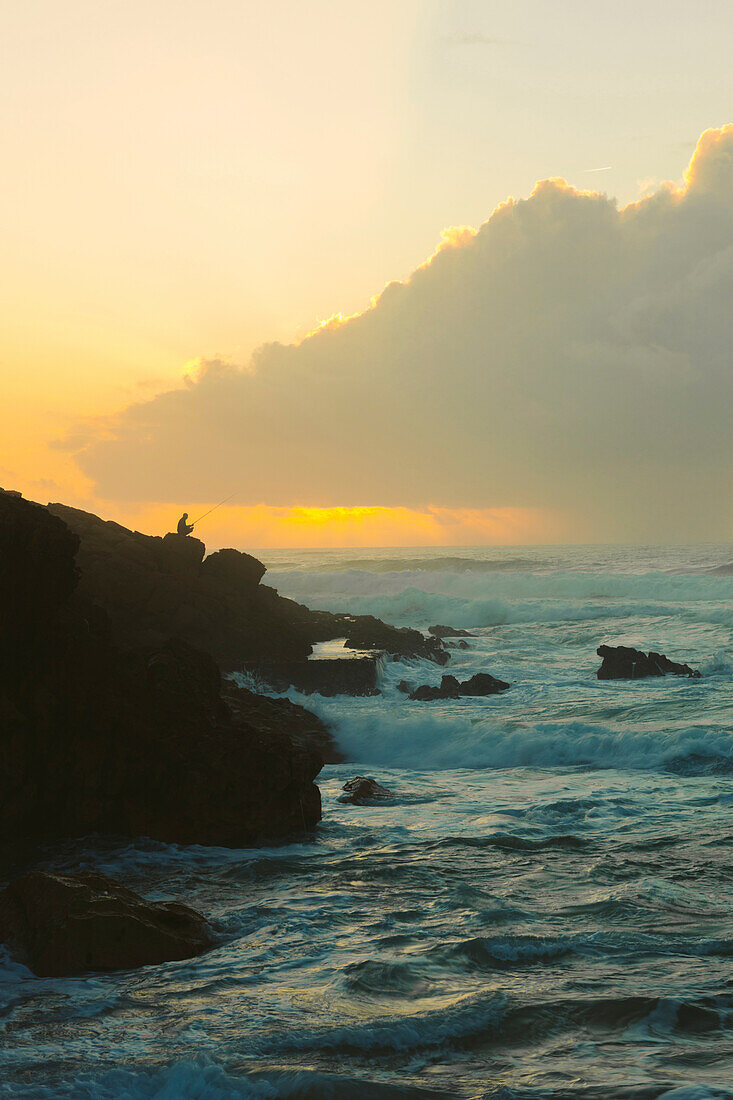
(544, 910)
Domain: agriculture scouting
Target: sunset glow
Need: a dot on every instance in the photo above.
(142, 259)
(260, 526)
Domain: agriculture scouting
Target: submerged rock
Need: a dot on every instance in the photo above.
(449, 632)
(450, 688)
(68, 924)
(363, 790)
(624, 663)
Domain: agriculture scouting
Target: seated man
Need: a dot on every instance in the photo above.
(184, 527)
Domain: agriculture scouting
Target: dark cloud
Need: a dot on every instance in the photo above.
(567, 355)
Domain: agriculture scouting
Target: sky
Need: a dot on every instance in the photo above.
(299, 253)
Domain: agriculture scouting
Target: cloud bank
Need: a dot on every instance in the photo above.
(568, 356)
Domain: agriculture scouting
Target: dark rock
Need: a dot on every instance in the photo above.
(480, 684)
(138, 742)
(462, 645)
(233, 569)
(366, 632)
(449, 689)
(624, 663)
(362, 790)
(483, 684)
(405, 686)
(330, 676)
(427, 693)
(449, 632)
(68, 924)
(181, 553)
(273, 717)
(155, 588)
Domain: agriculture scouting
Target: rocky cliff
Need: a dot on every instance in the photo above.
(95, 737)
(153, 588)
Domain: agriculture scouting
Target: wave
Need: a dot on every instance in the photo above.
(406, 735)
(620, 1092)
(507, 842)
(444, 564)
(514, 951)
(386, 979)
(481, 1019)
(468, 1019)
(472, 600)
(722, 570)
(203, 1079)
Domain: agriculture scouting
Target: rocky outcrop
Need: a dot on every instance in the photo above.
(483, 684)
(427, 693)
(449, 632)
(155, 588)
(94, 738)
(331, 676)
(362, 790)
(450, 688)
(366, 632)
(624, 663)
(68, 924)
(273, 717)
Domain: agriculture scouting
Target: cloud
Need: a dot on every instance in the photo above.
(474, 38)
(568, 355)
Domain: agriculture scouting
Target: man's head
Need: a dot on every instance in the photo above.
(185, 515)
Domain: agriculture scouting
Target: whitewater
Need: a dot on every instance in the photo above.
(543, 910)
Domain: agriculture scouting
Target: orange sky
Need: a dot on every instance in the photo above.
(188, 182)
(260, 526)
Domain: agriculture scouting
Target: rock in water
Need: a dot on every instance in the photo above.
(332, 676)
(440, 631)
(483, 684)
(68, 924)
(362, 790)
(449, 689)
(624, 663)
(366, 632)
(480, 684)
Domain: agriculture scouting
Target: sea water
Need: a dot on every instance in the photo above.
(545, 909)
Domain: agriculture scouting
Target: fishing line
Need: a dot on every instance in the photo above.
(214, 508)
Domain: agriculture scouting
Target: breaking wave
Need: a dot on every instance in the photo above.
(409, 736)
(479, 600)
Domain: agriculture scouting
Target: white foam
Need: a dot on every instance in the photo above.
(483, 600)
(412, 735)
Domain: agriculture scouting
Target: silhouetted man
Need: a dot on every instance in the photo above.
(184, 527)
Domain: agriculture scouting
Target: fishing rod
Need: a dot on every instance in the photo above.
(214, 508)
